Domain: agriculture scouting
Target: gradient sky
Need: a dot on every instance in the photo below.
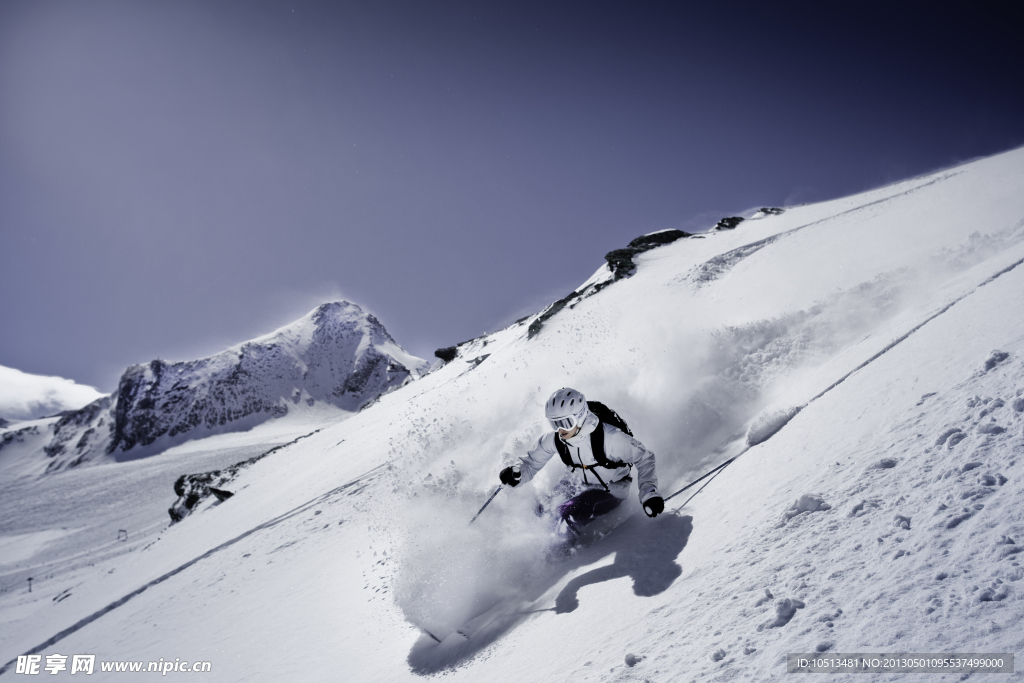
(179, 176)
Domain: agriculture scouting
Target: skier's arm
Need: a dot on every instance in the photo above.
(621, 447)
(532, 463)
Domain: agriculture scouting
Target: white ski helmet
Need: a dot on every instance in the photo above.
(566, 409)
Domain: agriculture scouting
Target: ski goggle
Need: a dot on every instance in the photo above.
(567, 423)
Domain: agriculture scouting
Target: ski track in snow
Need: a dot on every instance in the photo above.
(363, 479)
(931, 536)
(916, 328)
(718, 266)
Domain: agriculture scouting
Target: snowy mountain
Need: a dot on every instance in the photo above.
(26, 397)
(337, 355)
(857, 363)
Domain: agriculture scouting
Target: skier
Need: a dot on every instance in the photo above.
(590, 438)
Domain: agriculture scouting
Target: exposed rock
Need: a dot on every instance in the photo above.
(18, 435)
(620, 261)
(620, 264)
(193, 489)
(338, 354)
(89, 429)
(570, 301)
(447, 354)
(729, 223)
(450, 353)
(220, 494)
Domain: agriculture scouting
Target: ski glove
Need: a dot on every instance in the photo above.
(510, 476)
(654, 506)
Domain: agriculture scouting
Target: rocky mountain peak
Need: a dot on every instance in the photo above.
(337, 354)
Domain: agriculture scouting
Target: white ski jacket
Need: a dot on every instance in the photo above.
(618, 447)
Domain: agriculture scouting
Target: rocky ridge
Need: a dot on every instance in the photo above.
(338, 354)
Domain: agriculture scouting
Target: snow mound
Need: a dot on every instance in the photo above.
(785, 610)
(808, 502)
(768, 424)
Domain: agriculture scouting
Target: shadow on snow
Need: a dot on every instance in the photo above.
(645, 550)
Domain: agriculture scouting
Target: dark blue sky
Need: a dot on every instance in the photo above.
(179, 176)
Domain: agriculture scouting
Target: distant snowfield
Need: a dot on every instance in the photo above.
(93, 504)
(871, 348)
(23, 546)
(26, 397)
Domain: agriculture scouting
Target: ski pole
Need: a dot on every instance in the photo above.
(705, 476)
(486, 504)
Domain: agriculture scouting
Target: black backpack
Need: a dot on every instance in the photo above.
(607, 416)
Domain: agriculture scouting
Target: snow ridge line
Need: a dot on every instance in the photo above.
(716, 266)
(720, 468)
(117, 603)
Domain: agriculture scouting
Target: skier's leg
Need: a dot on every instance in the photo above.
(574, 514)
(580, 510)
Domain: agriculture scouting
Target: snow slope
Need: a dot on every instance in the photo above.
(863, 358)
(27, 397)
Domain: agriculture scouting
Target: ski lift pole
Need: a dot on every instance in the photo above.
(496, 491)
